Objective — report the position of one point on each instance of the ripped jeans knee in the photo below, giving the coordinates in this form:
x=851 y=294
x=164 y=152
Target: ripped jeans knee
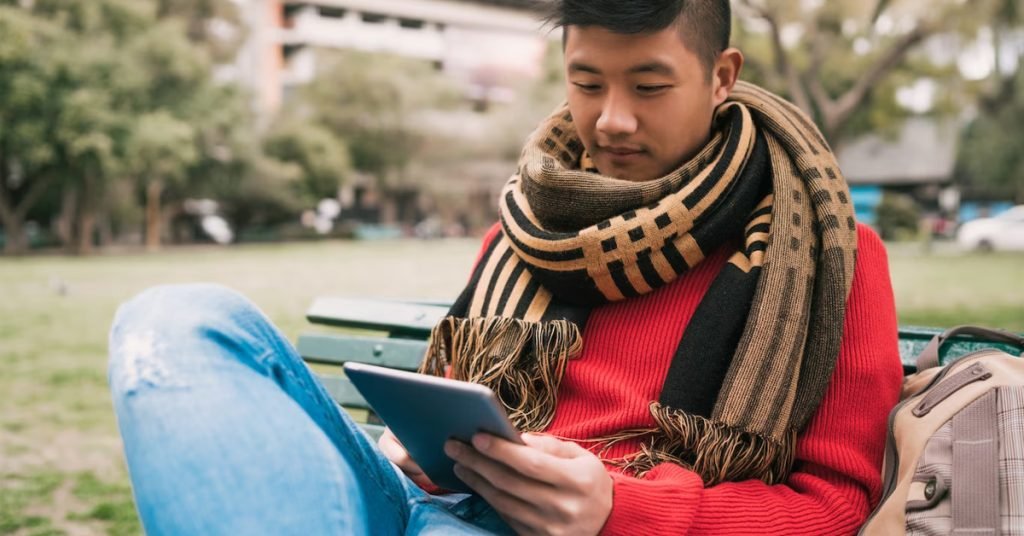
x=167 y=333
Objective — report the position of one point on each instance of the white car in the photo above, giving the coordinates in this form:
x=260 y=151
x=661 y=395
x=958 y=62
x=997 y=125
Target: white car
x=1004 y=232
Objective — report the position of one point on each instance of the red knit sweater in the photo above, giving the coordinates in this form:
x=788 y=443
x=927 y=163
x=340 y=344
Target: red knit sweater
x=627 y=348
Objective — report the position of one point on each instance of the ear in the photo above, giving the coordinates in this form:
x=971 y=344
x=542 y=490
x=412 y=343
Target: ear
x=725 y=73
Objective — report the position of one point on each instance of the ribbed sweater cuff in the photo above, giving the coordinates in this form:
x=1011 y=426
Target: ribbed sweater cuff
x=664 y=502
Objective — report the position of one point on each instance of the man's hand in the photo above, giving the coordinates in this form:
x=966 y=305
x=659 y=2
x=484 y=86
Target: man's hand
x=547 y=486
x=395 y=452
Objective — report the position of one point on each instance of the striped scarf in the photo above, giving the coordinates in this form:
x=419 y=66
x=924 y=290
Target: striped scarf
x=755 y=359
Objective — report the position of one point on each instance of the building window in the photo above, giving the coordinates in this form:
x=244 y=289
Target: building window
x=328 y=12
x=412 y=24
x=289 y=50
x=288 y=12
x=373 y=18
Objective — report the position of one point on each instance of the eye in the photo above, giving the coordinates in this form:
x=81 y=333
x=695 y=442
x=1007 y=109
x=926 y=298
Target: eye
x=652 y=88
x=589 y=88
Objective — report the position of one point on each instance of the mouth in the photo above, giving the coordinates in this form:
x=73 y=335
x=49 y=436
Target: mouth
x=621 y=150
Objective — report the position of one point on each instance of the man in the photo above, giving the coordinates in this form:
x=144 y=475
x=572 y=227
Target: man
x=694 y=333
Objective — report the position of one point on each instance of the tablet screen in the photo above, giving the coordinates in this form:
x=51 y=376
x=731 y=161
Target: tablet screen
x=425 y=411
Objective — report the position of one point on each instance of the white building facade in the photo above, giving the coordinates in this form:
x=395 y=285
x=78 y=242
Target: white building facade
x=478 y=43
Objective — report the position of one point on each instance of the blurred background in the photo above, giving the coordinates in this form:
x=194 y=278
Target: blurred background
x=292 y=149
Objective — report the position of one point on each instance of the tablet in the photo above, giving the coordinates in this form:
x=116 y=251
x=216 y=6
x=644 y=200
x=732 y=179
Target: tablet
x=425 y=411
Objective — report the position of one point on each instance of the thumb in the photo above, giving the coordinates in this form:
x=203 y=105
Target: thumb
x=552 y=445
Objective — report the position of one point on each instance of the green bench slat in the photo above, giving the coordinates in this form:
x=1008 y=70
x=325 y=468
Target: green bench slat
x=336 y=349
x=342 y=391
x=373 y=430
x=913 y=339
x=397 y=318
x=408 y=324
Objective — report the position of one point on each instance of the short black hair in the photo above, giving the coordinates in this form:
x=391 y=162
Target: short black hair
x=705 y=25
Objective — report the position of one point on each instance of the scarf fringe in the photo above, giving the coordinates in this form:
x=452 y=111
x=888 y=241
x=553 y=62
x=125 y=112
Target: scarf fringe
x=715 y=451
x=522 y=362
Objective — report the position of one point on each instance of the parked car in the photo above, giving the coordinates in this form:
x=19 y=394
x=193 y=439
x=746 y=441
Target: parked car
x=1004 y=232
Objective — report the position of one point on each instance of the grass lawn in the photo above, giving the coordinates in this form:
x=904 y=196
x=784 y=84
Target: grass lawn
x=60 y=464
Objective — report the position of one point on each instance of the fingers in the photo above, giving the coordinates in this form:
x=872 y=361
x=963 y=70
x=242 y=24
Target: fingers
x=527 y=461
x=394 y=451
x=498 y=473
x=553 y=445
x=513 y=510
x=543 y=486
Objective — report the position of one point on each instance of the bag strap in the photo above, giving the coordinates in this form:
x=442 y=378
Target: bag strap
x=929 y=357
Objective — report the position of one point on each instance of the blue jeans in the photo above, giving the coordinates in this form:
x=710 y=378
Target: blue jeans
x=226 y=431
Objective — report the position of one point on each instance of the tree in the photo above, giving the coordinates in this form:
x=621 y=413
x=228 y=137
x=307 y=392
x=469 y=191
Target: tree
x=25 y=144
x=838 y=59
x=216 y=25
x=98 y=93
x=60 y=129
x=254 y=188
x=374 y=104
x=990 y=162
x=323 y=159
x=158 y=152
x=1004 y=85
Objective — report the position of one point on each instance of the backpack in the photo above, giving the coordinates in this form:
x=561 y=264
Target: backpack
x=954 y=456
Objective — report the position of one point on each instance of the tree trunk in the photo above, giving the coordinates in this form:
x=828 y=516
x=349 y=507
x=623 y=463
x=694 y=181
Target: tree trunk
x=86 y=217
x=154 y=189
x=65 y=221
x=10 y=217
x=14 y=237
x=86 y=226
x=13 y=216
x=105 y=231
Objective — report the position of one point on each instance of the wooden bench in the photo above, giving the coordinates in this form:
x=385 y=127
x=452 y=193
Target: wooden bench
x=392 y=333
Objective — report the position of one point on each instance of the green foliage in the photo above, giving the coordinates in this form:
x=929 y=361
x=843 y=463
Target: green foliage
x=255 y=189
x=322 y=157
x=372 y=102
x=991 y=162
x=196 y=15
x=95 y=94
x=27 y=68
x=160 y=146
x=843 y=61
x=898 y=216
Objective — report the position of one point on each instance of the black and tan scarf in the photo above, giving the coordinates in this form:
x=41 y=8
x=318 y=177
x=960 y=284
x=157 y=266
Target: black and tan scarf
x=754 y=361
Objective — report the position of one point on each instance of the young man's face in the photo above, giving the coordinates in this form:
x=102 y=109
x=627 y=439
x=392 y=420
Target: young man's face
x=642 y=103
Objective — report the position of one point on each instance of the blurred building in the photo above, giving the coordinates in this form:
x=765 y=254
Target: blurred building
x=481 y=43
x=918 y=161
x=923 y=153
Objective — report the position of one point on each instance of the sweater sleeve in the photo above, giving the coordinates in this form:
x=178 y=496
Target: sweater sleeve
x=836 y=480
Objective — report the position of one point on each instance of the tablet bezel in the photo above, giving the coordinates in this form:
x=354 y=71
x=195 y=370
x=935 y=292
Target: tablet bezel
x=424 y=411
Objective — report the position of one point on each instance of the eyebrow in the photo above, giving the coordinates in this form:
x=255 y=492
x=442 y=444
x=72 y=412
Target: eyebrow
x=655 y=67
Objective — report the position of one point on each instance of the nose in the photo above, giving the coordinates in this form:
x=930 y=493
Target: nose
x=617 y=116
